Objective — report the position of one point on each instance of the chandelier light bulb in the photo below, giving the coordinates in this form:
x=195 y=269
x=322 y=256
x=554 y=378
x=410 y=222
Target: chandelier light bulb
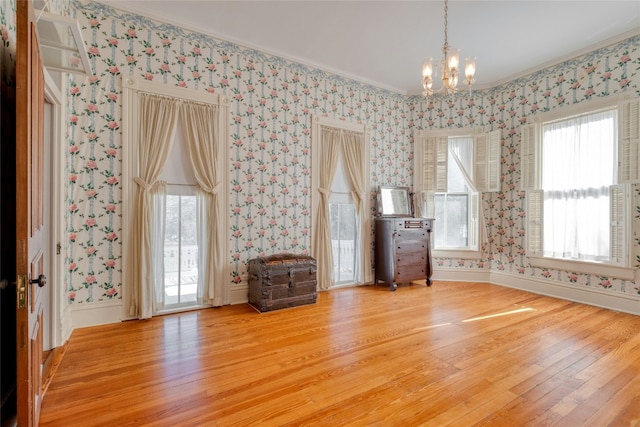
x=454 y=59
x=427 y=67
x=470 y=69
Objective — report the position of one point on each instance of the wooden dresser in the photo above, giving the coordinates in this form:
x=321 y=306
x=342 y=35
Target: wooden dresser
x=402 y=250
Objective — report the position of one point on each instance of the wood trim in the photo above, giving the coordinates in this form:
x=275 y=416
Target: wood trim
x=51 y=364
x=24 y=14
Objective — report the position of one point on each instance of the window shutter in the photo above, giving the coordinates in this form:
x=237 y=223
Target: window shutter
x=618 y=244
x=486 y=148
x=493 y=177
x=431 y=173
x=441 y=157
x=474 y=200
x=535 y=199
x=530 y=157
x=480 y=161
x=629 y=142
x=418 y=163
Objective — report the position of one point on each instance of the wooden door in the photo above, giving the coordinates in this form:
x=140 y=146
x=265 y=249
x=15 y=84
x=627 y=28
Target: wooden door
x=29 y=215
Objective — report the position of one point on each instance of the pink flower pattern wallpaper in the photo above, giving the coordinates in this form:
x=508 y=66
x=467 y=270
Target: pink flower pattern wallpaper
x=272 y=102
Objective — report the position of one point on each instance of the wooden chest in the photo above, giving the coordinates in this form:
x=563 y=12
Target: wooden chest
x=281 y=281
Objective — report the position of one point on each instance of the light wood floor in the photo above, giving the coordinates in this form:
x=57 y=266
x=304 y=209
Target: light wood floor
x=460 y=354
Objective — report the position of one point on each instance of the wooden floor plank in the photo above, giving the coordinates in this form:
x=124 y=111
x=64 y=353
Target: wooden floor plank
x=454 y=353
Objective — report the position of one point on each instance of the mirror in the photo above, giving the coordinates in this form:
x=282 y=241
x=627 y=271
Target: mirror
x=394 y=202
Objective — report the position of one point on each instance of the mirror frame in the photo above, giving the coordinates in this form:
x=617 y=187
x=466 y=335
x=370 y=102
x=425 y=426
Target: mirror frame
x=385 y=211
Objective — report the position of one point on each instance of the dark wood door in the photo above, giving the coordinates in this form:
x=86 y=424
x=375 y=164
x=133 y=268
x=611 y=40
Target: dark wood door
x=29 y=215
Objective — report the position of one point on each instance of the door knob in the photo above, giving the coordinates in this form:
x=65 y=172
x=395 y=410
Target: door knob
x=41 y=280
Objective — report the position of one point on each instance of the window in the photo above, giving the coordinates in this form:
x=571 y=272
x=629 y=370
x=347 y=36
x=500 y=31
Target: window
x=150 y=178
x=453 y=215
x=343 y=228
x=574 y=169
x=451 y=170
x=180 y=247
x=177 y=218
x=578 y=166
x=341 y=241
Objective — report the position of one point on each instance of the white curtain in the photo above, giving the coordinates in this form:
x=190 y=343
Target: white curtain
x=330 y=146
x=353 y=151
x=461 y=150
x=200 y=136
x=578 y=168
x=158 y=117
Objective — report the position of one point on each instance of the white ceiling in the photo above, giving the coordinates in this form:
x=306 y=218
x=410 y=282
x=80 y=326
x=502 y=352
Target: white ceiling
x=384 y=42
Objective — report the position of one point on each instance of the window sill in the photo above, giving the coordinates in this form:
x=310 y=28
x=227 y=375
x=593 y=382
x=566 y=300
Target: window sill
x=598 y=269
x=456 y=253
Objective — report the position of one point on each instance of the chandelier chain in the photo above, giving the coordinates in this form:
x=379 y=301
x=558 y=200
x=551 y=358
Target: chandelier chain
x=446 y=24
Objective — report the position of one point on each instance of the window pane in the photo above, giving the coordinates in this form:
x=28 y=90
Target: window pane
x=171 y=237
x=463 y=149
x=180 y=250
x=343 y=240
x=189 y=251
x=452 y=220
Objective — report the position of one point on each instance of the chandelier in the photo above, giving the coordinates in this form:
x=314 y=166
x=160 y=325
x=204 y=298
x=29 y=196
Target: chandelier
x=450 y=66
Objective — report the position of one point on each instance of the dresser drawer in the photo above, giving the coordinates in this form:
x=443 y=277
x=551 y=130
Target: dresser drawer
x=406 y=273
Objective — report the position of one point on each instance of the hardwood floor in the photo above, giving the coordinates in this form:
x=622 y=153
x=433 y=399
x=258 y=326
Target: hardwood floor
x=459 y=354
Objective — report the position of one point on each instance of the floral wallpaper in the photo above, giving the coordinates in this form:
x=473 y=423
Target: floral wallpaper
x=270 y=125
x=604 y=72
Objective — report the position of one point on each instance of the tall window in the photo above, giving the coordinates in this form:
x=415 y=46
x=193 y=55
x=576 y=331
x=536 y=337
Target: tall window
x=576 y=172
x=578 y=168
x=344 y=236
x=177 y=219
x=341 y=219
x=451 y=170
x=453 y=210
x=155 y=117
x=180 y=247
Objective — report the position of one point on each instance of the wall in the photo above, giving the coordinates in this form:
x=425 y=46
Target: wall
x=269 y=169
x=605 y=72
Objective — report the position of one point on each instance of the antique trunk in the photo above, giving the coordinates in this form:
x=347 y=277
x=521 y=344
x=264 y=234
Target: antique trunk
x=281 y=281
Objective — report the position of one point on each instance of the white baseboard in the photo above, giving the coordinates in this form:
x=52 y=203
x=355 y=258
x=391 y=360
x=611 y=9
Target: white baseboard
x=461 y=275
x=66 y=325
x=625 y=303
x=239 y=293
x=93 y=314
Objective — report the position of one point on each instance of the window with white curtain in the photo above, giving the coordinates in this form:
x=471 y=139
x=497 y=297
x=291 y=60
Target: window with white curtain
x=453 y=211
x=576 y=170
x=451 y=170
x=341 y=218
x=174 y=198
x=176 y=218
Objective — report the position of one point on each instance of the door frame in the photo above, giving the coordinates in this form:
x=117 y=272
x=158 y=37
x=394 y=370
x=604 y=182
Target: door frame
x=60 y=313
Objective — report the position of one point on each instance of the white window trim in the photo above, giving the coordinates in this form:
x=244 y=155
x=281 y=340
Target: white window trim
x=131 y=115
x=530 y=155
x=597 y=269
x=455 y=253
x=317 y=123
